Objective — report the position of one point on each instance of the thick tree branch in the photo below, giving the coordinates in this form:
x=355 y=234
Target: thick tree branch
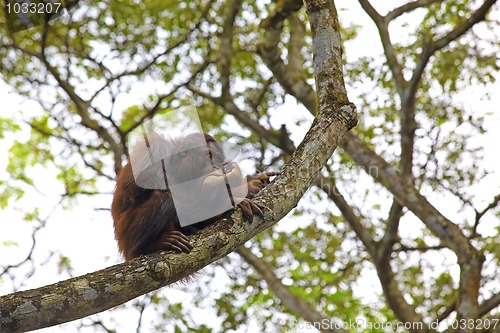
x=327 y=59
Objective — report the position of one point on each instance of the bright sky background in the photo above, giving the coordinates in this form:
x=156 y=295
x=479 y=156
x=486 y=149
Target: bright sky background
x=85 y=234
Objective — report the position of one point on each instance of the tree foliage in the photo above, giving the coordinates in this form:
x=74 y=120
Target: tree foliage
x=406 y=210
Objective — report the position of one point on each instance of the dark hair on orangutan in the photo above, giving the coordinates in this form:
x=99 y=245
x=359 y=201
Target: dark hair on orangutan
x=146 y=220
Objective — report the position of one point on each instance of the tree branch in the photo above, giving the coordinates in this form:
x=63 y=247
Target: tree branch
x=329 y=187
x=292 y=81
x=292 y=302
x=408 y=7
x=380 y=254
x=489 y=305
x=383 y=27
x=469 y=259
x=478 y=16
x=408 y=196
x=226 y=47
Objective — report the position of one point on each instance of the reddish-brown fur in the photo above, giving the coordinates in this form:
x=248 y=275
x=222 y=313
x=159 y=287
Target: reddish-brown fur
x=145 y=220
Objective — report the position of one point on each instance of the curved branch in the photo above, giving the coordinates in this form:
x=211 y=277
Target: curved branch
x=408 y=7
x=380 y=254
